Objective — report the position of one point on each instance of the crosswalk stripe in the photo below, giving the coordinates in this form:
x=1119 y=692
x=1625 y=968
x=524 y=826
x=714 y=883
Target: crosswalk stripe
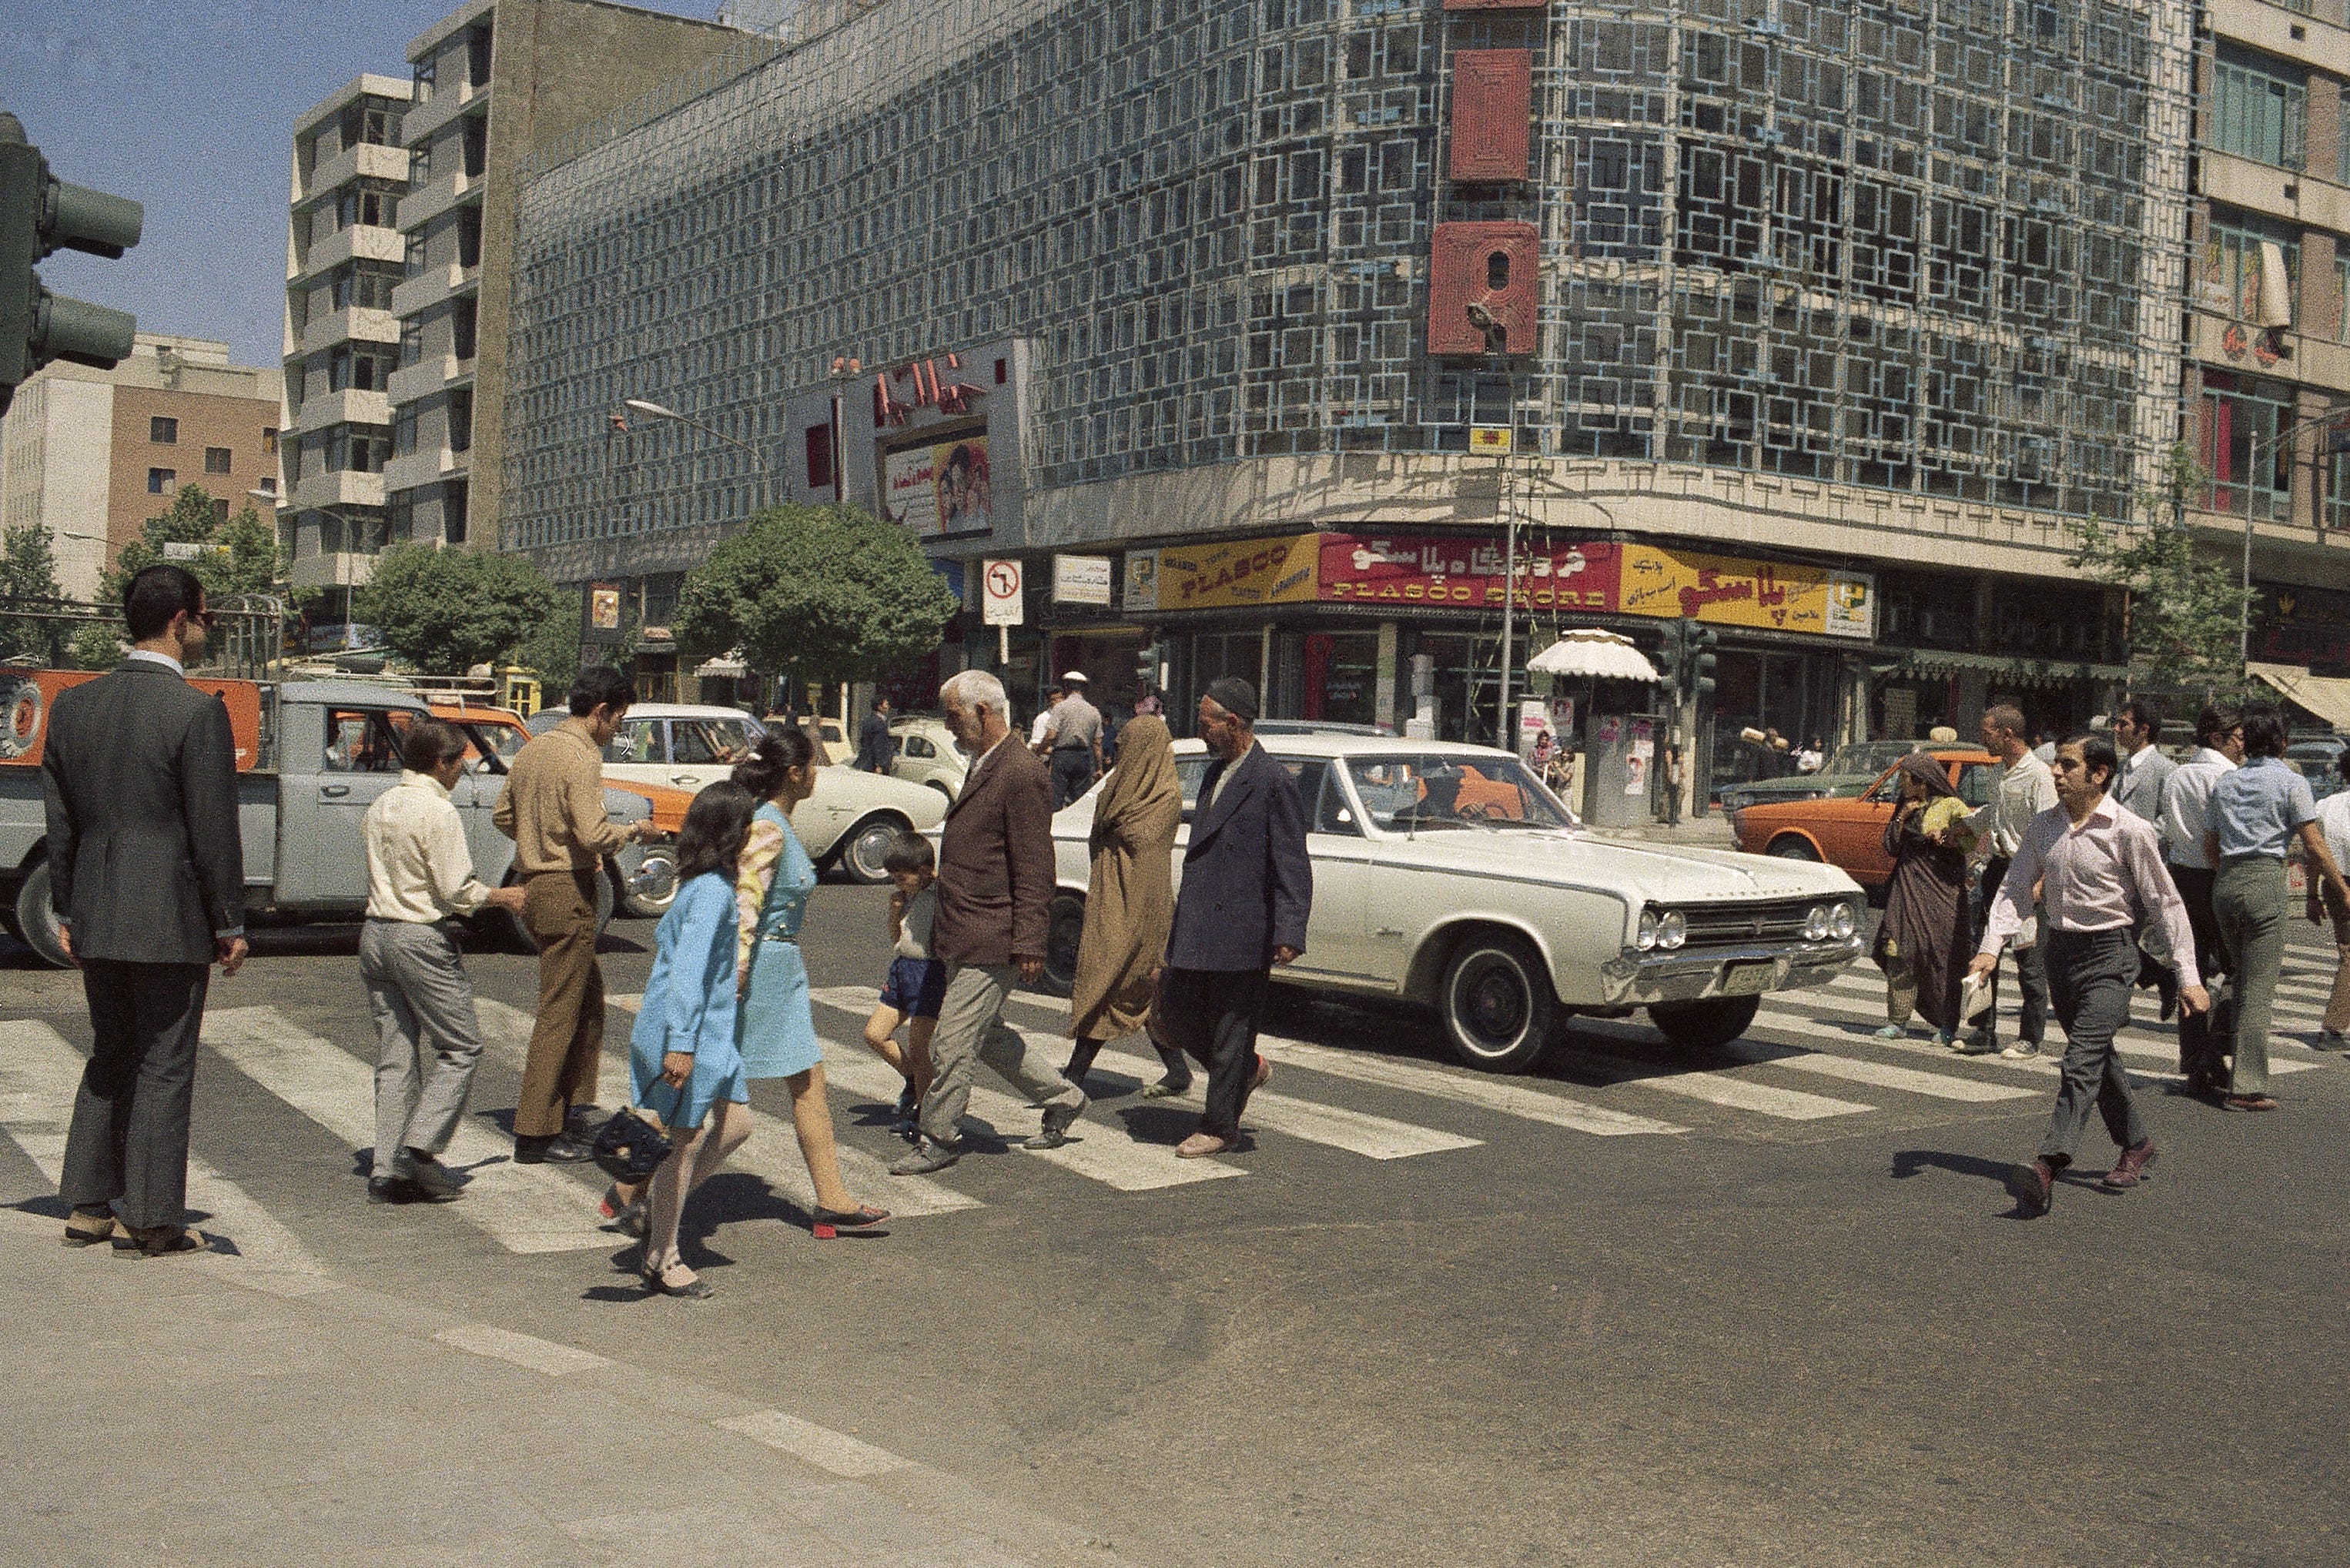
x=2048 y=1061
x=39 y=1074
x=2127 y=1044
x=1732 y=1094
x=524 y=1208
x=2299 y=1007
x=1357 y=1132
x=772 y=1152
x=1487 y=1094
x=1883 y=1075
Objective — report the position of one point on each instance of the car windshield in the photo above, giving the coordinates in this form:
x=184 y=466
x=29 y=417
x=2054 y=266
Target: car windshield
x=1412 y=793
x=1870 y=757
x=700 y=741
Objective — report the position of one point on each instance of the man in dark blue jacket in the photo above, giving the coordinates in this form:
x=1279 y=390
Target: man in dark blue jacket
x=1247 y=889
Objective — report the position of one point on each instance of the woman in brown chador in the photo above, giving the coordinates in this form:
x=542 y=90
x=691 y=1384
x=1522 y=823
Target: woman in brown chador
x=1926 y=936
x=1131 y=902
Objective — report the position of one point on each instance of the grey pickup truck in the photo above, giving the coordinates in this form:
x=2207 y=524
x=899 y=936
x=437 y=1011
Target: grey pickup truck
x=312 y=757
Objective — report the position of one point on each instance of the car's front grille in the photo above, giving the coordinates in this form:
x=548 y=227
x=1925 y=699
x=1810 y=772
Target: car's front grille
x=1725 y=925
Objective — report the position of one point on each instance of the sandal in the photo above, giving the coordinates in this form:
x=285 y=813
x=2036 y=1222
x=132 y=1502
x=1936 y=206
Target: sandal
x=97 y=1226
x=693 y=1290
x=161 y=1242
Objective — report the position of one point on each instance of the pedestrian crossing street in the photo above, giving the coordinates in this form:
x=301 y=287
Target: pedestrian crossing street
x=1810 y=1060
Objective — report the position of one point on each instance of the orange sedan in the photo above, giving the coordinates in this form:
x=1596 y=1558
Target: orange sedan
x=1850 y=833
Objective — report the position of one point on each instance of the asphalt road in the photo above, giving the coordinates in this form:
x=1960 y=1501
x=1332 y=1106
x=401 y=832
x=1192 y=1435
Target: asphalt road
x=1765 y=1306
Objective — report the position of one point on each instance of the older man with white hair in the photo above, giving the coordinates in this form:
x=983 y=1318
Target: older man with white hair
x=996 y=889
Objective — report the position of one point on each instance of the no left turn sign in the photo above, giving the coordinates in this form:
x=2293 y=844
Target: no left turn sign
x=1001 y=588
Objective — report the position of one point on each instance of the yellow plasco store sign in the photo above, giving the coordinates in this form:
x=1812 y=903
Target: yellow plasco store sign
x=1235 y=575
x=1726 y=591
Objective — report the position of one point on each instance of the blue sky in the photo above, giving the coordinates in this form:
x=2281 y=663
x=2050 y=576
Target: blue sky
x=188 y=107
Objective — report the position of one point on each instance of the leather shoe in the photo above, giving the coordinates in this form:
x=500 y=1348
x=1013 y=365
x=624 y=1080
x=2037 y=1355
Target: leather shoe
x=581 y=1121
x=393 y=1190
x=1201 y=1145
x=2251 y=1102
x=1057 y=1120
x=2034 y=1186
x=560 y=1149
x=2130 y=1169
x=436 y=1179
x=925 y=1158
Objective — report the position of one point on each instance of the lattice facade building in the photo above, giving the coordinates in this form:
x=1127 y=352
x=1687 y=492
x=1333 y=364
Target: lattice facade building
x=1841 y=289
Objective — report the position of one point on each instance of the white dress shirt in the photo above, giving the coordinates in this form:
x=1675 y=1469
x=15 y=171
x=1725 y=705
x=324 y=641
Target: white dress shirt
x=2187 y=807
x=418 y=868
x=2105 y=875
x=2023 y=789
x=166 y=660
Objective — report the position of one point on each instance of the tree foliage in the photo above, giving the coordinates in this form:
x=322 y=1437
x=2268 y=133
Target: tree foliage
x=2187 y=607
x=831 y=594
x=240 y=554
x=444 y=611
x=28 y=570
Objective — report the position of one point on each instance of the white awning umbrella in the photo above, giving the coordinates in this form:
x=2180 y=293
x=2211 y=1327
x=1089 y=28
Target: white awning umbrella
x=1587 y=650
x=725 y=664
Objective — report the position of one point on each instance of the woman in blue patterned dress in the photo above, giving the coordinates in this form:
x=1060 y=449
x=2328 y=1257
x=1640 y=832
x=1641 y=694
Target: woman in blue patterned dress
x=778 y=1032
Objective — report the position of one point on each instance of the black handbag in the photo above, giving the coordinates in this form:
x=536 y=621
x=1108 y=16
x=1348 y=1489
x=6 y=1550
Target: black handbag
x=629 y=1147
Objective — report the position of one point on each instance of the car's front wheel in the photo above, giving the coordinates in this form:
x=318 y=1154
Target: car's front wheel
x=1704 y=1025
x=646 y=906
x=1791 y=847
x=36 y=921
x=864 y=855
x=1065 y=925
x=1496 y=1002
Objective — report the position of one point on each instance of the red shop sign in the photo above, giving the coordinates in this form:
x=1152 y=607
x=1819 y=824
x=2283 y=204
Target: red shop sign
x=1443 y=570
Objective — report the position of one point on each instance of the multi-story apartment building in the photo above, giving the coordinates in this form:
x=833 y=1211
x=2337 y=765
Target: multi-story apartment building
x=489 y=83
x=1818 y=324
x=90 y=455
x=2268 y=373
x=342 y=339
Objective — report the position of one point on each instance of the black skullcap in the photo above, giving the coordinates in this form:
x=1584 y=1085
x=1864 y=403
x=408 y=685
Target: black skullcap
x=1235 y=697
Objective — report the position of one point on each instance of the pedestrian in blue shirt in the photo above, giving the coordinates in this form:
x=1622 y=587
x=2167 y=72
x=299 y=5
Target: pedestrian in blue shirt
x=2256 y=813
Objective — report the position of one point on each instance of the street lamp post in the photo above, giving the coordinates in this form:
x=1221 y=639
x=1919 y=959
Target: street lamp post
x=658 y=411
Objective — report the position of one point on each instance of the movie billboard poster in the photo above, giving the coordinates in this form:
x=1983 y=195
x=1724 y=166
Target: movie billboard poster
x=940 y=488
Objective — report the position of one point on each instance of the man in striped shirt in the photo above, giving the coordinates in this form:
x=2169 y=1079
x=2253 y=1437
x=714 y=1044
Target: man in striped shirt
x=2100 y=871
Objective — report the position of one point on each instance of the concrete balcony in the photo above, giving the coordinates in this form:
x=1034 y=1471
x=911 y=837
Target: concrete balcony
x=2300 y=198
x=353 y=407
x=428 y=201
x=344 y=569
x=2277 y=30
x=357 y=325
x=445 y=105
x=419 y=468
x=421 y=379
x=341 y=490
x=363 y=242
x=420 y=294
x=366 y=159
x=2311 y=361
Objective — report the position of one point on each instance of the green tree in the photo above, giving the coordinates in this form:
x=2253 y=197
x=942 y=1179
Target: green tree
x=444 y=611
x=2187 y=607
x=826 y=592
x=29 y=571
x=97 y=644
x=240 y=556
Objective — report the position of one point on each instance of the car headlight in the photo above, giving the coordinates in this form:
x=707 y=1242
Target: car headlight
x=1672 y=930
x=1646 y=938
x=1815 y=923
x=1843 y=923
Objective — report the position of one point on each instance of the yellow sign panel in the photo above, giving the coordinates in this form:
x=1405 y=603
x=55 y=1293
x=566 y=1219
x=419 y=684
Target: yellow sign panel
x=1489 y=441
x=1729 y=592
x=1244 y=572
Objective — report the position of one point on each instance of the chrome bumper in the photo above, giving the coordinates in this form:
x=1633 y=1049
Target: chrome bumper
x=1635 y=979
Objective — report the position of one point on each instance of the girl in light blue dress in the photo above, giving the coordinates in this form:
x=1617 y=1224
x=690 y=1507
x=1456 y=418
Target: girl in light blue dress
x=776 y=1028
x=684 y=1059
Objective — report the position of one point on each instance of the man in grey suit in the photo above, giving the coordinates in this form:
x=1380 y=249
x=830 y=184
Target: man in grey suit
x=139 y=769
x=1248 y=888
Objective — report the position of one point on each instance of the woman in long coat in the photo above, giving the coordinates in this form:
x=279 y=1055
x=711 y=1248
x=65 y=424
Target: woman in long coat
x=1129 y=903
x=1926 y=936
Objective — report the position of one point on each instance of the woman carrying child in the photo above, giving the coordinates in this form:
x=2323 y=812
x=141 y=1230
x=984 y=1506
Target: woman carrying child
x=774 y=879
x=1129 y=903
x=683 y=1054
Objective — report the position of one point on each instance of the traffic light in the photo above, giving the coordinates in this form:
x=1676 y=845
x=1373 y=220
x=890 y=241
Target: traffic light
x=1149 y=664
x=1701 y=641
x=40 y=213
x=1672 y=659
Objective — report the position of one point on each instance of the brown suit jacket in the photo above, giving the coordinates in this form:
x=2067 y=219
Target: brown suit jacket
x=996 y=861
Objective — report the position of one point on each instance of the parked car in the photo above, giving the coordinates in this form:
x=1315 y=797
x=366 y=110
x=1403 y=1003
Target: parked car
x=848 y=822
x=1318 y=727
x=1447 y=875
x=1849 y=833
x=928 y=756
x=500 y=732
x=1850 y=770
x=312 y=757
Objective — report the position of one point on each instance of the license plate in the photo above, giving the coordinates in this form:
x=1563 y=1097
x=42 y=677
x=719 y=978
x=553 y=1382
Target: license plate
x=1746 y=980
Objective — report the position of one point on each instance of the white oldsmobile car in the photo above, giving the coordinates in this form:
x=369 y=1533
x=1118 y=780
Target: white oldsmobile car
x=848 y=821
x=1447 y=875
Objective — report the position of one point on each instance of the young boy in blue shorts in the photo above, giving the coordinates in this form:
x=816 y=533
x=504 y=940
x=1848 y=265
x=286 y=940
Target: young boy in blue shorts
x=917 y=983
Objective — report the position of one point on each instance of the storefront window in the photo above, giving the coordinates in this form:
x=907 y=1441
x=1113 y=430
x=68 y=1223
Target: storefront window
x=1791 y=693
x=1340 y=679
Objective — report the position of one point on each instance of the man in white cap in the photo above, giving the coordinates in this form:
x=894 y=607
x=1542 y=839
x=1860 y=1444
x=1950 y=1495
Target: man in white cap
x=1073 y=741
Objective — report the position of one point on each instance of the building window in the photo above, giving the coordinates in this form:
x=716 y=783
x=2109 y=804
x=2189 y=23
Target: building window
x=268 y=442
x=2231 y=263
x=411 y=341
x=216 y=460
x=423 y=78
x=2258 y=107
x=403 y=430
x=464 y=320
x=364 y=372
x=477 y=146
x=453 y=497
x=266 y=484
x=367 y=284
x=412 y=259
x=373 y=204
x=477 y=55
x=2342 y=296
x=219 y=510
x=2238 y=414
x=374 y=123
x=461 y=420
x=2336 y=468
x=819 y=457
x=468 y=237
x=164 y=430
x=161 y=481
x=398 y=519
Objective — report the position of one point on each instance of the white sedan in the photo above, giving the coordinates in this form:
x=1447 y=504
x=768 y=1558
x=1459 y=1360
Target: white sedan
x=850 y=821
x=1447 y=875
